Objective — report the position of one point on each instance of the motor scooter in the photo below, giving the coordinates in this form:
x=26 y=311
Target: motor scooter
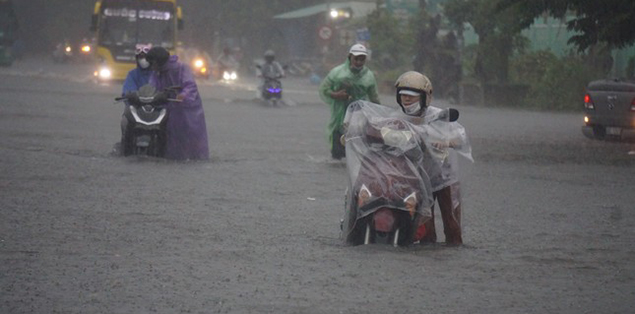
x=148 y=115
x=389 y=163
x=86 y=53
x=271 y=90
x=63 y=52
x=200 y=67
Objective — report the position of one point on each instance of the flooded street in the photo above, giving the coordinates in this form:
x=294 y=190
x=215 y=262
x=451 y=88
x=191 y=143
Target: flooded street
x=548 y=215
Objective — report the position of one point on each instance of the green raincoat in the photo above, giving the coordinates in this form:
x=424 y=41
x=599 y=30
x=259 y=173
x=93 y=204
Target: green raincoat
x=360 y=85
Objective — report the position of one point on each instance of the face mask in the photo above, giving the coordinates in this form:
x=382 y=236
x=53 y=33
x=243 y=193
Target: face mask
x=143 y=63
x=412 y=109
x=355 y=69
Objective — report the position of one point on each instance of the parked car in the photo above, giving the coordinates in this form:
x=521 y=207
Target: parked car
x=609 y=109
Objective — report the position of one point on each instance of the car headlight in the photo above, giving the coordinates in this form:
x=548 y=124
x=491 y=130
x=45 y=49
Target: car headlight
x=233 y=76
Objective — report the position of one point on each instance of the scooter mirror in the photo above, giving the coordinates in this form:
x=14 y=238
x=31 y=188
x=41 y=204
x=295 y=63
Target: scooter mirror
x=454 y=114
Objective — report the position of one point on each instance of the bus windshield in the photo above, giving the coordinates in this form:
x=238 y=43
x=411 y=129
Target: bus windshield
x=125 y=23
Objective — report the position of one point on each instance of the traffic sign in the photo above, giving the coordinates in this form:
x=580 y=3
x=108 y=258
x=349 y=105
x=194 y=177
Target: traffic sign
x=325 y=32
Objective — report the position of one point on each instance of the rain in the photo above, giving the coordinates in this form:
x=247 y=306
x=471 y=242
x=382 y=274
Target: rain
x=260 y=225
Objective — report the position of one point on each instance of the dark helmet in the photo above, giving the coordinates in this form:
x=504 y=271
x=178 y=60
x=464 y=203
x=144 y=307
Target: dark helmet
x=158 y=56
x=270 y=55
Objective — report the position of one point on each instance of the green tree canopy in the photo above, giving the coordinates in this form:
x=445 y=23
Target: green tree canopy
x=498 y=32
x=608 y=21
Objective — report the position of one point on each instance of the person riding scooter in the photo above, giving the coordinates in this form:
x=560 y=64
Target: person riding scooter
x=398 y=163
x=270 y=72
x=271 y=68
x=227 y=65
x=63 y=52
x=136 y=78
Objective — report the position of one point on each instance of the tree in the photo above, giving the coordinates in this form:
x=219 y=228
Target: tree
x=436 y=56
x=391 y=39
x=498 y=30
x=611 y=22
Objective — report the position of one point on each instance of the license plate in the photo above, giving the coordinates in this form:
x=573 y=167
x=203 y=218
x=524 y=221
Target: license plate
x=613 y=131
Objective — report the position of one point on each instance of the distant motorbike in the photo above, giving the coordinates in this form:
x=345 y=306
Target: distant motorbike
x=227 y=69
x=271 y=90
x=148 y=114
x=389 y=165
x=229 y=75
x=86 y=52
x=63 y=52
x=200 y=67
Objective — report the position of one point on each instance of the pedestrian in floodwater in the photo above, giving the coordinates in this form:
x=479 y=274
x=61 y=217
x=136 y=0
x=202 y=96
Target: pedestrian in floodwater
x=346 y=83
x=186 y=129
x=414 y=95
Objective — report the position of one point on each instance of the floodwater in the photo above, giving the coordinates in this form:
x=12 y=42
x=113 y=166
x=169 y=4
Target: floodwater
x=548 y=220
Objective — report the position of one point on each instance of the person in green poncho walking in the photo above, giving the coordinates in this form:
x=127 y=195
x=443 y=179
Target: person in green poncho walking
x=346 y=83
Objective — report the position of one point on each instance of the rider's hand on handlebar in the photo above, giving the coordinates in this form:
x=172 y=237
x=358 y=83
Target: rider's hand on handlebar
x=180 y=97
x=161 y=97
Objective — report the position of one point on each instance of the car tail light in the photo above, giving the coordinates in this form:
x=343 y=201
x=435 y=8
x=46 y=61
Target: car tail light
x=633 y=105
x=588 y=102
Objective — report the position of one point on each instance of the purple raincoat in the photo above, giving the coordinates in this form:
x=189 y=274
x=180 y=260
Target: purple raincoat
x=186 y=129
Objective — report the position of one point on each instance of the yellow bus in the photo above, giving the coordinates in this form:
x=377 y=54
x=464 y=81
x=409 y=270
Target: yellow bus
x=121 y=24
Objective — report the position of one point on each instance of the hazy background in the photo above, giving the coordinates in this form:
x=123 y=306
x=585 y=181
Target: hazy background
x=44 y=23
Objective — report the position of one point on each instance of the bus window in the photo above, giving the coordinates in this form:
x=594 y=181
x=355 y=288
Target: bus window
x=156 y=32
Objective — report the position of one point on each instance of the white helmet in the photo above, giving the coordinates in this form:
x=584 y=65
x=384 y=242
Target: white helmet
x=413 y=82
x=358 y=50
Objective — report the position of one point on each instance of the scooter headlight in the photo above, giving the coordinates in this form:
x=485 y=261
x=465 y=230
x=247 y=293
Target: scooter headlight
x=363 y=196
x=198 y=63
x=68 y=49
x=411 y=203
x=86 y=48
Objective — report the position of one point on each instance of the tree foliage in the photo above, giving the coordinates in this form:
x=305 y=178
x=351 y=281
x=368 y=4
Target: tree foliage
x=499 y=34
x=611 y=22
x=391 y=38
x=555 y=83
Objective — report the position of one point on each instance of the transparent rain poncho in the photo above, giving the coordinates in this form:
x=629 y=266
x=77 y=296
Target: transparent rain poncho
x=392 y=156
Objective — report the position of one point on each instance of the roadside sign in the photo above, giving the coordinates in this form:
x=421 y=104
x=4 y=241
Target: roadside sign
x=325 y=32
